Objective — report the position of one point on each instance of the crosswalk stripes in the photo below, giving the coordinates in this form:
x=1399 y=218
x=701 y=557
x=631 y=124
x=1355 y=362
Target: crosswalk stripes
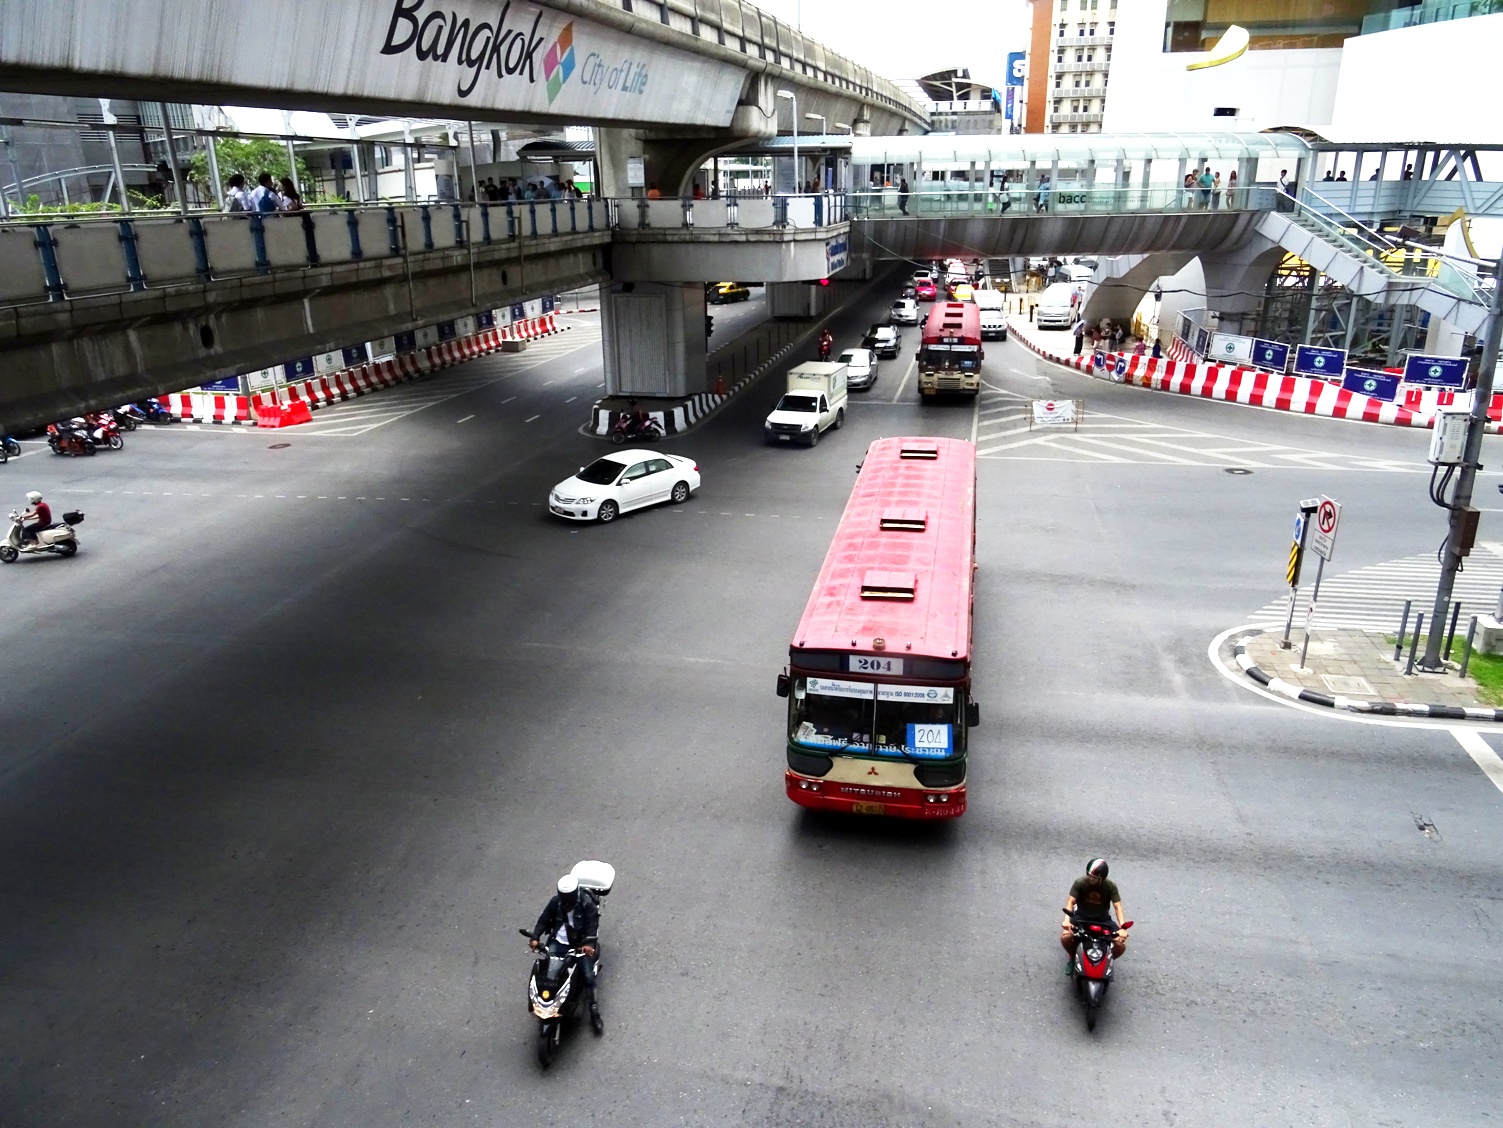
x=1003 y=432
x=359 y=416
x=1372 y=598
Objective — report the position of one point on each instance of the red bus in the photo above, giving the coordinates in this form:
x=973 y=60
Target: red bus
x=950 y=355
x=879 y=672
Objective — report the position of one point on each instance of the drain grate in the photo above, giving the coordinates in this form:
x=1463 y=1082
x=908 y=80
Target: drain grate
x=1348 y=686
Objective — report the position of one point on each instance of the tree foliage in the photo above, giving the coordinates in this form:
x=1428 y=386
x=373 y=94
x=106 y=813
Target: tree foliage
x=251 y=159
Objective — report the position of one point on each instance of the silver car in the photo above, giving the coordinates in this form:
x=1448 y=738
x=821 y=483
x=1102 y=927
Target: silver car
x=861 y=368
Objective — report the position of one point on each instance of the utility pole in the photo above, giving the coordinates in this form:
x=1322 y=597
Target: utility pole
x=1461 y=503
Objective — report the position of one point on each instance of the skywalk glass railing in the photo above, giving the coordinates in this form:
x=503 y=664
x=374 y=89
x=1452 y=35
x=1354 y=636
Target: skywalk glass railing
x=1016 y=202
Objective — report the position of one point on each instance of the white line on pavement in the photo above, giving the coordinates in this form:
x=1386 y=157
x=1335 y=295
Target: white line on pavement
x=1482 y=752
x=904 y=382
x=508 y=399
x=530 y=420
x=466 y=419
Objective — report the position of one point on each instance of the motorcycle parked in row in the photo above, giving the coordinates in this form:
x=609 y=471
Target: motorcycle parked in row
x=630 y=428
x=69 y=439
x=1091 y=966
x=59 y=539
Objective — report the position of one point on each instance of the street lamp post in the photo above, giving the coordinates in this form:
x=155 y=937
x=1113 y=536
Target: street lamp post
x=824 y=127
x=1461 y=501
x=794 y=99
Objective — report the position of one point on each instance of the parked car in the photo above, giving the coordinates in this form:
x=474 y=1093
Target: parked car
x=723 y=292
x=862 y=367
x=884 y=340
x=905 y=312
x=621 y=481
x=924 y=290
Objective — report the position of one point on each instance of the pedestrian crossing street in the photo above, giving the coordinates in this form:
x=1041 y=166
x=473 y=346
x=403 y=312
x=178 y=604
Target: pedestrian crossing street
x=1002 y=432
x=1372 y=598
x=376 y=409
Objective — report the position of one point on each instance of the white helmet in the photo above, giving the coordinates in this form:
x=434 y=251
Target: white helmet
x=33 y=497
x=568 y=885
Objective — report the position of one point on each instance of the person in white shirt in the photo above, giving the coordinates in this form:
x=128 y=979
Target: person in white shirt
x=236 y=198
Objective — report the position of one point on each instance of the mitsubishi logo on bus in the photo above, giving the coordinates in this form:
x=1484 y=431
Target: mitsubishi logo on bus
x=871 y=770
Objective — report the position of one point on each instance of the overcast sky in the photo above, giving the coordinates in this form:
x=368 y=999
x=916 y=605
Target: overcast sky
x=909 y=38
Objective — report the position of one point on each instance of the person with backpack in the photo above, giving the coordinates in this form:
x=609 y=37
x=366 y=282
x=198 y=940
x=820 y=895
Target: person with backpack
x=264 y=196
x=236 y=198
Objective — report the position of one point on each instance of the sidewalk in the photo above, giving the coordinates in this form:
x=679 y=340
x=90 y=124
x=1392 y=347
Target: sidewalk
x=1355 y=671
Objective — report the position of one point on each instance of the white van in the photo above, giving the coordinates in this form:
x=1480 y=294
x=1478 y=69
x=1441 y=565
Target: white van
x=813 y=403
x=1056 y=307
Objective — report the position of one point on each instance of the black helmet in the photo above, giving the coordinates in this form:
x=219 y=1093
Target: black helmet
x=1097 y=867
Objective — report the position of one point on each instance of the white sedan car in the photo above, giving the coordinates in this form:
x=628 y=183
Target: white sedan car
x=861 y=366
x=621 y=481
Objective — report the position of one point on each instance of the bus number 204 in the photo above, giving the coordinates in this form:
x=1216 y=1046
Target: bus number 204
x=867 y=664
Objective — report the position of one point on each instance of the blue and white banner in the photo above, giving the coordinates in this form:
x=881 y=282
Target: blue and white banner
x=1435 y=371
x=447 y=331
x=1270 y=354
x=354 y=354
x=1325 y=363
x=405 y=341
x=1366 y=382
x=299 y=369
x=485 y=319
x=1017 y=68
x=227 y=384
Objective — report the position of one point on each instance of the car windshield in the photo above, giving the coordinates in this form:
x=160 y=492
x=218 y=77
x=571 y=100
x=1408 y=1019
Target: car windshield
x=601 y=472
x=912 y=721
x=851 y=358
x=792 y=402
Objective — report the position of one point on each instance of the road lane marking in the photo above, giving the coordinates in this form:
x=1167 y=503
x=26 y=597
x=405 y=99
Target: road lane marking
x=507 y=400
x=1481 y=752
x=571 y=399
x=904 y=382
x=466 y=419
x=530 y=420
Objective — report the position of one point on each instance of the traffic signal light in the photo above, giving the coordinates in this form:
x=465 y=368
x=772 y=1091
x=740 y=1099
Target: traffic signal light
x=709 y=325
x=824 y=281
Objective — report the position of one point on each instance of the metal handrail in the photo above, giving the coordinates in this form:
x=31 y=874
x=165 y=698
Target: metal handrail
x=1377 y=236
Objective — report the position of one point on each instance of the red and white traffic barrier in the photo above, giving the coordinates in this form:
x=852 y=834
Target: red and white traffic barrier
x=206 y=407
x=1257 y=388
x=349 y=383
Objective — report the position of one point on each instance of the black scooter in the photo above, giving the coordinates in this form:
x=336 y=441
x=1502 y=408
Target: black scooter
x=555 y=993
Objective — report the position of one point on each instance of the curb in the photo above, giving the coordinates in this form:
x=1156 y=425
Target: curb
x=1372 y=708
x=1252 y=387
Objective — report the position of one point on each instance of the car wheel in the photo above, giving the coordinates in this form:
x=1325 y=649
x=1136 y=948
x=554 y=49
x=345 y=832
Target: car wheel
x=814 y=436
x=840 y=419
x=608 y=512
x=680 y=493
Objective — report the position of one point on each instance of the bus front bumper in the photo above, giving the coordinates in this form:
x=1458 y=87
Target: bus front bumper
x=855 y=799
x=949 y=385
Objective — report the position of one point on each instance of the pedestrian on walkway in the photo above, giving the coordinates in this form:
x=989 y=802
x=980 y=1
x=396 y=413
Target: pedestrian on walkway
x=263 y=196
x=1216 y=193
x=236 y=198
x=1231 y=190
x=292 y=200
x=1189 y=191
x=1205 y=182
x=1079 y=331
x=903 y=195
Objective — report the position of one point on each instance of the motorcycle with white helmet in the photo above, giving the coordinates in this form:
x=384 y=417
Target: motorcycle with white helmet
x=566 y=940
x=34 y=533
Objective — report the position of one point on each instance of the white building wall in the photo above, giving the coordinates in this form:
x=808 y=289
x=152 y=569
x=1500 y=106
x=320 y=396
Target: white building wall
x=1431 y=81
x=1151 y=90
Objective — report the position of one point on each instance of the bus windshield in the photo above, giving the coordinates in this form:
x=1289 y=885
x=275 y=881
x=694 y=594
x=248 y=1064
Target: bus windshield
x=913 y=721
x=967 y=358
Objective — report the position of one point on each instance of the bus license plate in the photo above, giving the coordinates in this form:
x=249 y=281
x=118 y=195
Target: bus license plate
x=868 y=808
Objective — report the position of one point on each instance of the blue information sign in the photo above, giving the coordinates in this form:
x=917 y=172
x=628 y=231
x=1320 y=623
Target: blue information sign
x=299 y=369
x=227 y=384
x=354 y=354
x=1363 y=381
x=1312 y=361
x=1017 y=68
x=485 y=319
x=1270 y=354
x=1436 y=371
x=549 y=303
x=1120 y=368
x=1098 y=359
x=405 y=341
x=518 y=312
x=447 y=331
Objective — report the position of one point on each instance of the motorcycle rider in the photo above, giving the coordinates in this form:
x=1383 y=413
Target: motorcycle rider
x=572 y=920
x=38 y=516
x=826 y=343
x=1092 y=898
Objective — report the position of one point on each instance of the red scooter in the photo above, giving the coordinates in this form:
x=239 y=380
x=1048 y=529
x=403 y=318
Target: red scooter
x=105 y=431
x=1091 y=966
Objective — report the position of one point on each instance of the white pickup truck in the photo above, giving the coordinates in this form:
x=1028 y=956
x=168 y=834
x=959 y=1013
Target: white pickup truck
x=813 y=403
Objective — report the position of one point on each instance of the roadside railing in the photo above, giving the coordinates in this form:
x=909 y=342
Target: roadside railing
x=86 y=256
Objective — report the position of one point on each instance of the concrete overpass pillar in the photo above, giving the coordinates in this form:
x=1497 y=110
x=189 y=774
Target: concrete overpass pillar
x=613 y=148
x=1236 y=281
x=653 y=338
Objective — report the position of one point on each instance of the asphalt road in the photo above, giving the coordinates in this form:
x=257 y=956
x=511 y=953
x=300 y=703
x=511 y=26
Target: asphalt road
x=306 y=731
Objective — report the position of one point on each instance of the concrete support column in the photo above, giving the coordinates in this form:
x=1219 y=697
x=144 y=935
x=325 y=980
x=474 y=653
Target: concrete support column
x=653 y=339
x=613 y=147
x=1236 y=281
x=796 y=299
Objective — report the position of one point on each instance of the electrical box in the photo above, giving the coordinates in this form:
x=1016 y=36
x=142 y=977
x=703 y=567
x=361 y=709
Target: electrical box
x=1448 y=440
